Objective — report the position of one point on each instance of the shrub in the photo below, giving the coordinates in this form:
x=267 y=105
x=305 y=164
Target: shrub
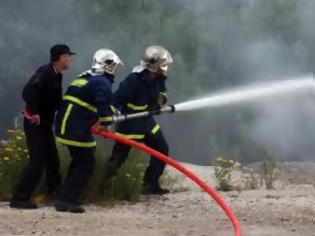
x=251 y=181
x=223 y=172
x=13 y=157
x=268 y=171
x=126 y=185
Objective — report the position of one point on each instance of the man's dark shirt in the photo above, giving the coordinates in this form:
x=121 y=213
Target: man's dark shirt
x=43 y=94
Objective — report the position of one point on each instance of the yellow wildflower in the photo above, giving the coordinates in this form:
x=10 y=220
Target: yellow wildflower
x=6 y=158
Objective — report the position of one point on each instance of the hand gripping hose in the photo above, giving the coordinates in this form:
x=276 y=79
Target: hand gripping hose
x=230 y=214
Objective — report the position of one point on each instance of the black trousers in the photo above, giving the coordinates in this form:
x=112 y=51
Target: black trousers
x=79 y=172
x=156 y=167
x=43 y=156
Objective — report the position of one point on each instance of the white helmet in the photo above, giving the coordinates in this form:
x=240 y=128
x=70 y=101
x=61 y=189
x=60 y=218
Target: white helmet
x=157 y=57
x=105 y=60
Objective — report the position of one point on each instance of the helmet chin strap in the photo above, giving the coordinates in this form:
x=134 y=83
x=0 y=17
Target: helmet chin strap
x=111 y=69
x=97 y=72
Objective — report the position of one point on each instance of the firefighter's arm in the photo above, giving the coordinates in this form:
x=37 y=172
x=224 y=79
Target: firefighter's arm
x=125 y=93
x=103 y=98
x=162 y=98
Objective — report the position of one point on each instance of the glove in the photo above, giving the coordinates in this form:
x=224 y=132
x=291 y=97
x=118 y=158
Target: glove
x=34 y=119
x=162 y=99
x=100 y=127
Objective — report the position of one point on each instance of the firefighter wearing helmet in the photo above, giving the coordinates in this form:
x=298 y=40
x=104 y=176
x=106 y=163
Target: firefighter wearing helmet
x=86 y=102
x=143 y=90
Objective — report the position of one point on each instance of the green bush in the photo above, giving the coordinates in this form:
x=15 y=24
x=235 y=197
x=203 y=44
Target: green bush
x=268 y=170
x=126 y=185
x=13 y=157
x=223 y=173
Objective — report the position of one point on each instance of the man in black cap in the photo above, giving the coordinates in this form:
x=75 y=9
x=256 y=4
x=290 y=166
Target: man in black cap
x=42 y=95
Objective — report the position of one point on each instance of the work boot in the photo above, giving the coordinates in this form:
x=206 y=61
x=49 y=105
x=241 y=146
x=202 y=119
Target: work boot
x=68 y=207
x=155 y=190
x=23 y=205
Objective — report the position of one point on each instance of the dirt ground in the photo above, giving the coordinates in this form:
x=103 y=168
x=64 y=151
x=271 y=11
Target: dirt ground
x=288 y=210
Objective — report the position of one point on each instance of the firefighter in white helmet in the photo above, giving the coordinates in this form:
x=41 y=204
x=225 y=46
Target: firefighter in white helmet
x=86 y=102
x=144 y=89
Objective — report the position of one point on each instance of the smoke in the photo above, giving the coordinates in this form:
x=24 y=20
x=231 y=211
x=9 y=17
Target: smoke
x=286 y=128
x=215 y=45
x=282 y=128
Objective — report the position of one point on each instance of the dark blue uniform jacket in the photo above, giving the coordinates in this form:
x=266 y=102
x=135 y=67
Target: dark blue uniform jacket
x=139 y=92
x=87 y=100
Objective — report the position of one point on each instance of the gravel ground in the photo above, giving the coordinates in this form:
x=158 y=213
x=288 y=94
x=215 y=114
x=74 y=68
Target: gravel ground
x=287 y=210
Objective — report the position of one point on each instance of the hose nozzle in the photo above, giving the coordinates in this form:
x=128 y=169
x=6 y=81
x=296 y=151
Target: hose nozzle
x=164 y=109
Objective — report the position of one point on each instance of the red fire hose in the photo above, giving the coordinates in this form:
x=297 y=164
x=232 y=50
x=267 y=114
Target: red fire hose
x=230 y=214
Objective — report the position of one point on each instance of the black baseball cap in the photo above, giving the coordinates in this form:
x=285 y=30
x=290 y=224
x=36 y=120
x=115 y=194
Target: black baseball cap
x=59 y=49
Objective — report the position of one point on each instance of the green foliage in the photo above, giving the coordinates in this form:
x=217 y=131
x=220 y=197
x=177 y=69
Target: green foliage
x=268 y=171
x=13 y=157
x=223 y=173
x=252 y=181
x=126 y=185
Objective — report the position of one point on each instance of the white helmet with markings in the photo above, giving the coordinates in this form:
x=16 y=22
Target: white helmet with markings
x=105 y=60
x=157 y=58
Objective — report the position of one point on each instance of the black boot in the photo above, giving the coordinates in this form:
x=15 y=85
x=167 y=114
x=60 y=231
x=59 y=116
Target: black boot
x=23 y=205
x=154 y=188
x=152 y=185
x=68 y=207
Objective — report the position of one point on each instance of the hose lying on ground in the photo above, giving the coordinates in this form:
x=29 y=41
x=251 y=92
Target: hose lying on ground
x=227 y=210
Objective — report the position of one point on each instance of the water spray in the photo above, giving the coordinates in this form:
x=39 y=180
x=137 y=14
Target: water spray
x=240 y=95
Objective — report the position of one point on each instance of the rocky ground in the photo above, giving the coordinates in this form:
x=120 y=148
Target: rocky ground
x=287 y=210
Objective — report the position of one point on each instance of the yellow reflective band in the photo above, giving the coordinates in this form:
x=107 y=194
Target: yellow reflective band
x=106 y=119
x=113 y=109
x=79 y=82
x=136 y=108
x=80 y=102
x=155 y=129
x=131 y=136
x=65 y=118
x=75 y=143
